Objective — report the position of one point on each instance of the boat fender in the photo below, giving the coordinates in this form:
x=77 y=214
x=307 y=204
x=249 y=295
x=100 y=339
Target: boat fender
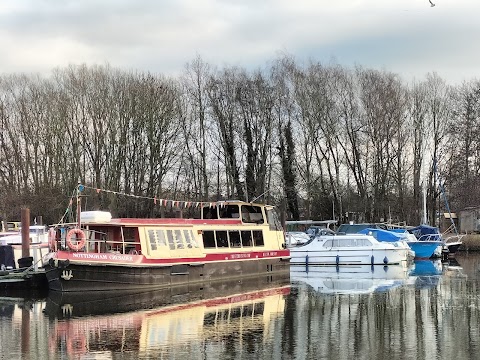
x=51 y=239
x=385 y=260
x=306 y=260
x=372 y=260
x=337 y=259
x=80 y=236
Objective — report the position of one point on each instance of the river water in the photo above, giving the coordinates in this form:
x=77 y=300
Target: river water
x=428 y=310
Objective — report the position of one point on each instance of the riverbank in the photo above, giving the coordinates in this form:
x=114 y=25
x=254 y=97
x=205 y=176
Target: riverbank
x=471 y=242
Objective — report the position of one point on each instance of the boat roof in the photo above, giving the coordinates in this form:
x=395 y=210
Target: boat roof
x=173 y=221
x=161 y=221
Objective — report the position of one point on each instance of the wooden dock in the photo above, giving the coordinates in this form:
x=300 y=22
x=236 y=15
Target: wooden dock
x=23 y=279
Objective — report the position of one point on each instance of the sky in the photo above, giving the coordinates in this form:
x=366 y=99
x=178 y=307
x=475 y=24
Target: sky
x=407 y=37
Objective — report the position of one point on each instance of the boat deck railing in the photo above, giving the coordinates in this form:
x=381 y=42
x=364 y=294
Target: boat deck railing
x=430 y=237
x=453 y=238
x=451 y=235
x=100 y=242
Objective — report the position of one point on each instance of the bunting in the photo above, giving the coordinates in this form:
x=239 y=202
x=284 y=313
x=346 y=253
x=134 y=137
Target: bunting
x=182 y=204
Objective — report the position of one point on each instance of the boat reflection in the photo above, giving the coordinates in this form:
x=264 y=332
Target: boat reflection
x=359 y=279
x=161 y=320
x=426 y=273
x=427 y=268
x=453 y=269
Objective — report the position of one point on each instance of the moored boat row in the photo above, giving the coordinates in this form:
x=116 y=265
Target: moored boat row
x=230 y=239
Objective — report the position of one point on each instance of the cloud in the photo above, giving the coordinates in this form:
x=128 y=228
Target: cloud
x=161 y=36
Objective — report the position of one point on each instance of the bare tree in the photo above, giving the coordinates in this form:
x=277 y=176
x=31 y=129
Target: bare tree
x=196 y=125
x=438 y=122
x=222 y=89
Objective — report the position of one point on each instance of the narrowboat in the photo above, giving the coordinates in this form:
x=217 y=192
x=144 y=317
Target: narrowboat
x=229 y=240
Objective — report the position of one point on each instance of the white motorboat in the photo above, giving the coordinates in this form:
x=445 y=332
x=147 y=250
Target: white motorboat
x=296 y=238
x=351 y=249
x=38 y=246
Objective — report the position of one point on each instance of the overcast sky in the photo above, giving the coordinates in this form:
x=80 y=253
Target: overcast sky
x=408 y=37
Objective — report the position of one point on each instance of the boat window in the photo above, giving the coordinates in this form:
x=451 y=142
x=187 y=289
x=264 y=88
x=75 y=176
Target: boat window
x=235 y=313
x=234 y=236
x=247 y=238
x=344 y=242
x=209 y=319
x=328 y=243
x=258 y=238
x=129 y=234
x=189 y=239
x=259 y=308
x=222 y=240
x=364 y=242
x=152 y=240
x=247 y=310
x=252 y=214
x=273 y=220
x=171 y=240
x=208 y=239
x=161 y=241
x=222 y=316
x=194 y=240
x=209 y=212
x=229 y=212
x=179 y=239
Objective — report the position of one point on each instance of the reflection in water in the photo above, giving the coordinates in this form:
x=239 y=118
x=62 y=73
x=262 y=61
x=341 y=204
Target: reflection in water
x=434 y=314
x=426 y=273
x=350 y=279
x=430 y=310
x=171 y=321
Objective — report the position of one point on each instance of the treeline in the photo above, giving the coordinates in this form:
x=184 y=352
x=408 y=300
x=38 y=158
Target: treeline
x=317 y=140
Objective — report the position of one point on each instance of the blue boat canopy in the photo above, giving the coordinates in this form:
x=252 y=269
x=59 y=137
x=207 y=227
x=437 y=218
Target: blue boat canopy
x=382 y=235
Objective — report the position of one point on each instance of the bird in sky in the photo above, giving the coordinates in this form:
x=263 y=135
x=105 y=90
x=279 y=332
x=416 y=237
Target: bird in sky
x=431 y=3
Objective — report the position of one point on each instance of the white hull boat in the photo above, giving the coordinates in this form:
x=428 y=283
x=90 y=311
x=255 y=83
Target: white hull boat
x=351 y=249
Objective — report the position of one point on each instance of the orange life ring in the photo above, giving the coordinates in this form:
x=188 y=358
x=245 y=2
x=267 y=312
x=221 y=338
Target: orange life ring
x=80 y=236
x=51 y=239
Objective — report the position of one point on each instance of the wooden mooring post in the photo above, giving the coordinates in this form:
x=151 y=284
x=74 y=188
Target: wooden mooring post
x=25 y=232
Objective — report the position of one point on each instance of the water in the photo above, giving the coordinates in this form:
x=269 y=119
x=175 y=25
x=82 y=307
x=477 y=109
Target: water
x=430 y=310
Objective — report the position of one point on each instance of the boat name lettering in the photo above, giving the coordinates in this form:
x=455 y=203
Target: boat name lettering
x=270 y=253
x=121 y=258
x=239 y=256
x=90 y=256
x=112 y=257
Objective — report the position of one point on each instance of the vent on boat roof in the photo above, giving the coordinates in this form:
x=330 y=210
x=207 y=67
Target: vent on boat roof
x=95 y=216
